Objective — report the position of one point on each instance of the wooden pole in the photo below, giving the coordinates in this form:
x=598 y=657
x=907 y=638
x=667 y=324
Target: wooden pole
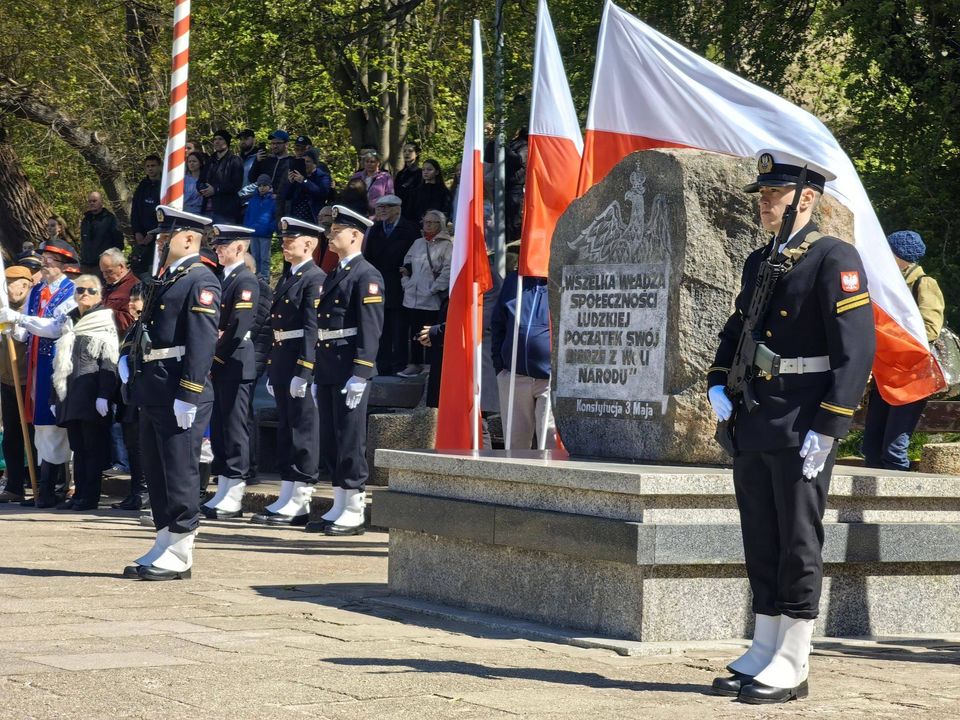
x=24 y=427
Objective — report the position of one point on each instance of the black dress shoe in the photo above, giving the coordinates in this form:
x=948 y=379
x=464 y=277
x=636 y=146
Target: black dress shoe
x=756 y=693
x=131 y=502
x=44 y=503
x=155 y=573
x=28 y=503
x=287 y=520
x=260 y=518
x=65 y=505
x=216 y=514
x=132 y=572
x=84 y=506
x=730 y=686
x=317 y=526
x=335 y=530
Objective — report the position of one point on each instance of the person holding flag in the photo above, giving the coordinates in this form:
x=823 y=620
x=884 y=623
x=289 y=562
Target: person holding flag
x=818 y=319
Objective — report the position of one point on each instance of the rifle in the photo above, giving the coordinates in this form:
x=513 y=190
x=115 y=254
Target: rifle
x=138 y=337
x=753 y=358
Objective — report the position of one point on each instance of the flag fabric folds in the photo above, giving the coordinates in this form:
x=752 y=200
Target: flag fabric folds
x=458 y=417
x=651 y=92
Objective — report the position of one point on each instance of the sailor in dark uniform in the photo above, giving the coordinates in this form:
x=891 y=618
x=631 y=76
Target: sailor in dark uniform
x=166 y=365
x=232 y=372
x=350 y=322
x=820 y=322
x=293 y=318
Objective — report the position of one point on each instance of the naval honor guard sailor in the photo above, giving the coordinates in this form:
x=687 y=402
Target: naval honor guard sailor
x=166 y=363
x=350 y=322
x=233 y=372
x=293 y=318
x=820 y=322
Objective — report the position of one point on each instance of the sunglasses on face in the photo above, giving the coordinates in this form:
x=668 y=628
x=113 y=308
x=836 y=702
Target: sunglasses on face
x=85 y=291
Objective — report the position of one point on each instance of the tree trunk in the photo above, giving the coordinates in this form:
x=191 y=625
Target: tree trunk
x=23 y=214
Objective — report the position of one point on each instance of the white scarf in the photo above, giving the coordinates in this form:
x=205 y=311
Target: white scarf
x=104 y=344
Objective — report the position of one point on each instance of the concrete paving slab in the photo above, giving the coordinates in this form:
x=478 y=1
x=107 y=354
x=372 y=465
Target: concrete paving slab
x=104 y=661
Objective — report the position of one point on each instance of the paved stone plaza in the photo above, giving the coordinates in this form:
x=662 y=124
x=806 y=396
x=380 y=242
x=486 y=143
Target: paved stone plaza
x=280 y=624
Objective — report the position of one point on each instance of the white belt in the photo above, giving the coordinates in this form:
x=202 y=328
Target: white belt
x=247 y=336
x=165 y=353
x=801 y=365
x=280 y=335
x=336 y=334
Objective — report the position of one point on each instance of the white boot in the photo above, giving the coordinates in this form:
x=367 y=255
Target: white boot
x=760 y=652
x=299 y=502
x=339 y=502
x=233 y=498
x=223 y=484
x=286 y=490
x=351 y=519
x=178 y=556
x=790 y=664
x=159 y=545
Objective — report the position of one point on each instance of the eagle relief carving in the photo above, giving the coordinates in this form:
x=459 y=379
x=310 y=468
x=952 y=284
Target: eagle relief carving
x=608 y=239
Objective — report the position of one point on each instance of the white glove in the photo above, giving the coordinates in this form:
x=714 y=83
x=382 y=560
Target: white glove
x=270 y=389
x=123 y=369
x=313 y=392
x=103 y=406
x=186 y=413
x=298 y=387
x=354 y=391
x=814 y=451
x=9 y=315
x=722 y=407
x=53 y=410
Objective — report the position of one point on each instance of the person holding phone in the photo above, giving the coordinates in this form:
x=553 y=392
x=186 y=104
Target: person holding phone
x=309 y=186
x=274 y=162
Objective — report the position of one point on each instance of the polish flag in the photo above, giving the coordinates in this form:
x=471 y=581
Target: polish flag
x=651 y=92
x=458 y=417
x=554 y=147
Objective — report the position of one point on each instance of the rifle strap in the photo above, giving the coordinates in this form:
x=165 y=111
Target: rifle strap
x=794 y=255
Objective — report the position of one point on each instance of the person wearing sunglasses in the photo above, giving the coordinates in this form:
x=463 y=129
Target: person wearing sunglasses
x=84 y=380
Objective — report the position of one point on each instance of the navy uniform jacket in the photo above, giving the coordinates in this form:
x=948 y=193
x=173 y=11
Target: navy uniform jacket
x=352 y=297
x=185 y=311
x=235 y=358
x=821 y=306
x=294 y=307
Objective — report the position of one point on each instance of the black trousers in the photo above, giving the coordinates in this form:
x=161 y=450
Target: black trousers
x=394 y=342
x=415 y=320
x=171 y=464
x=13 y=440
x=343 y=437
x=781 y=518
x=131 y=438
x=229 y=428
x=90 y=442
x=297 y=430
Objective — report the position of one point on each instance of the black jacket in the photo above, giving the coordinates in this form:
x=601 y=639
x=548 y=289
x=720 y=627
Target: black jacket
x=225 y=176
x=90 y=378
x=262 y=333
x=386 y=255
x=352 y=297
x=184 y=311
x=429 y=196
x=98 y=232
x=404 y=185
x=294 y=309
x=820 y=306
x=235 y=358
x=143 y=209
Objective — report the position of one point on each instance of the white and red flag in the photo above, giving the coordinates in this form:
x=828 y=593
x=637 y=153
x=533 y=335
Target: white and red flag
x=458 y=417
x=553 y=150
x=651 y=92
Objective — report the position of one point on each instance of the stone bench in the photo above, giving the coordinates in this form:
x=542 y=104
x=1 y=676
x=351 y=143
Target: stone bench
x=652 y=552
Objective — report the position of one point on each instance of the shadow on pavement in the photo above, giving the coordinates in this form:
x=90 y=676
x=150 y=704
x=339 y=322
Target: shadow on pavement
x=918 y=650
x=560 y=677
x=53 y=572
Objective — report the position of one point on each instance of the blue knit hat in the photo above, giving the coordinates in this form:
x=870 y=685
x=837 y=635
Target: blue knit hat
x=907 y=245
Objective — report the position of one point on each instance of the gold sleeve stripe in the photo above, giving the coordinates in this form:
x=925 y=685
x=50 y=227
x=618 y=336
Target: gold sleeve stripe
x=846 y=412
x=191 y=386
x=208 y=311
x=373 y=299
x=218 y=360
x=365 y=363
x=316 y=303
x=243 y=306
x=853 y=306
x=852 y=299
x=304 y=363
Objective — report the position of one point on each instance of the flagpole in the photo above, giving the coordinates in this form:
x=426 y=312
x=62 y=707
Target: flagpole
x=500 y=181
x=477 y=366
x=513 y=363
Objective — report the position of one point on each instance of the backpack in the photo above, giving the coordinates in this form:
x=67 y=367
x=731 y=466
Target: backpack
x=945 y=351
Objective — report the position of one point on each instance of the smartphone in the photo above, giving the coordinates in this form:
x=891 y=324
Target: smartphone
x=300 y=165
x=409 y=268
x=262 y=147
x=202 y=186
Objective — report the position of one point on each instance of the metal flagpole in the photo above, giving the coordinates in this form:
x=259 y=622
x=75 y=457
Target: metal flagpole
x=507 y=444
x=477 y=367
x=12 y=354
x=499 y=182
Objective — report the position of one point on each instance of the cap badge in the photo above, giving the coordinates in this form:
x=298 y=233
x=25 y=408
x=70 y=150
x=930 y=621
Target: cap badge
x=216 y=231
x=765 y=163
x=159 y=215
x=284 y=224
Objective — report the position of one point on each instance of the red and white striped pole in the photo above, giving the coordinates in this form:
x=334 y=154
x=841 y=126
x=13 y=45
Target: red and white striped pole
x=171 y=185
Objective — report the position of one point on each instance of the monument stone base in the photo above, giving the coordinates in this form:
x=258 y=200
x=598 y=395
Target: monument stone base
x=653 y=553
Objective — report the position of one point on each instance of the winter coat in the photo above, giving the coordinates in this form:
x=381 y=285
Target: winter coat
x=98 y=232
x=386 y=253
x=85 y=366
x=262 y=333
x=429 y=280
x=382 y=184
x=261 y=214
x=533 y=341
x=225 y=176
x=429 y=196
x=926 y=291
x=308 y=198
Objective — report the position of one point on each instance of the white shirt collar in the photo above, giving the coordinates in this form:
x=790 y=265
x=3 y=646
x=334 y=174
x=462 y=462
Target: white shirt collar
x=56 y=284
x=294 y=268
x=230 y=268
x=173 y=266
x=345 y=261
